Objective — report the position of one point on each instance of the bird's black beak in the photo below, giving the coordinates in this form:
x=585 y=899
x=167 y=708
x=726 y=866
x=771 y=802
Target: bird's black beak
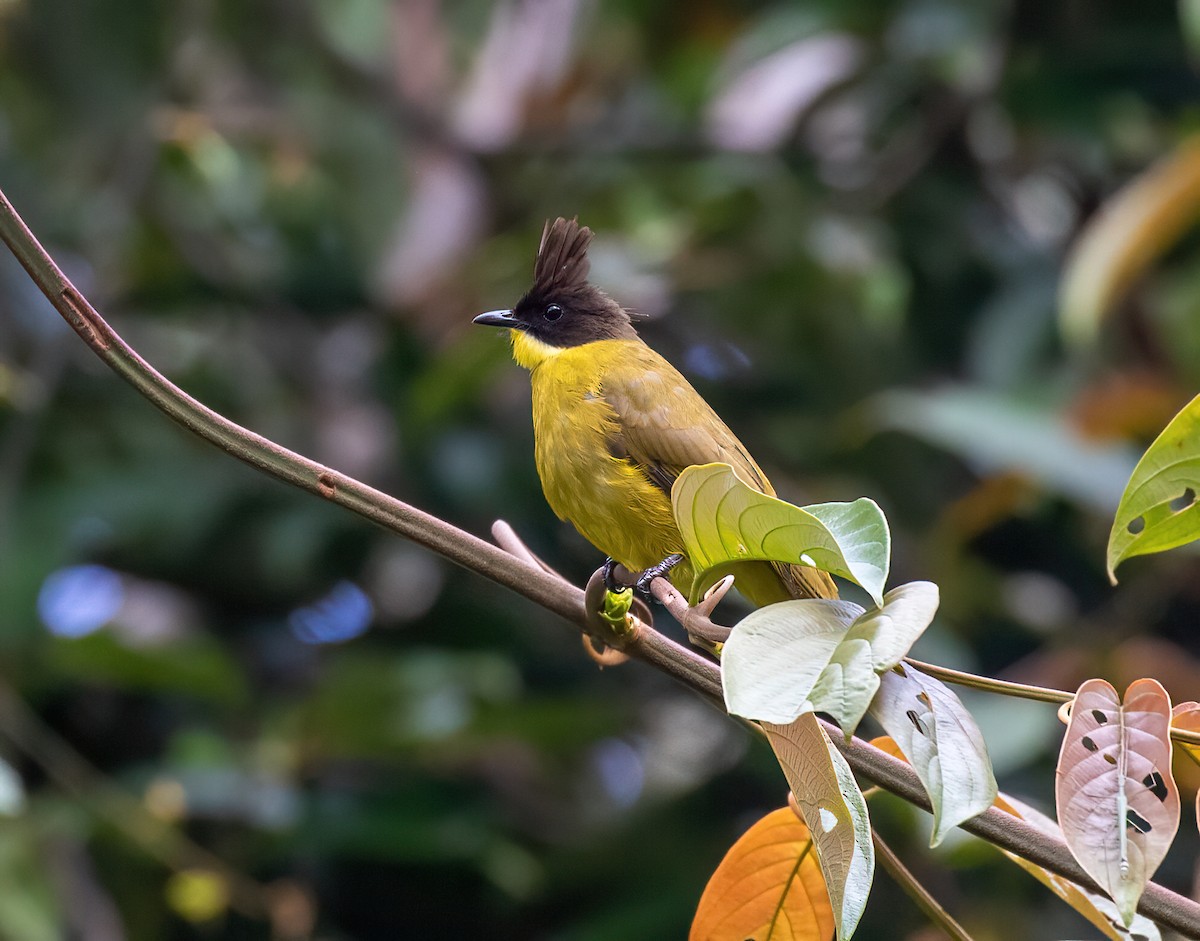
x=499 y=318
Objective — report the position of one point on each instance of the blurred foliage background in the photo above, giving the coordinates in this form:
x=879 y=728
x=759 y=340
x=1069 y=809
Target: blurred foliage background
x=230 y=711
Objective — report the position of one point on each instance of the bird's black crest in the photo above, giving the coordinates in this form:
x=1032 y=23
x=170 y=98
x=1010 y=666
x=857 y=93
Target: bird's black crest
x=562 y=262
x=562 y=308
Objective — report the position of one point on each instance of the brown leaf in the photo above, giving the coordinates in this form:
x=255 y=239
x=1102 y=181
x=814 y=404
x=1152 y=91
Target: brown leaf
x=1135 y=404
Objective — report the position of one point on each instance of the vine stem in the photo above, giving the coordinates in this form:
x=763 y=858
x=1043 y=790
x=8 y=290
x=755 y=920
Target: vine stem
x=526 y=579
x=912 y=887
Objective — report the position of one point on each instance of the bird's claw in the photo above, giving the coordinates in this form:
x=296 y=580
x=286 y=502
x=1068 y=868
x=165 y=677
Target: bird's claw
x=657 y=571
x=610 y=576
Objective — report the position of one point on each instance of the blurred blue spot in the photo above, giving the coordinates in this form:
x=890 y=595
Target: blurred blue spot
x=620 y=770
x=342 y=614
x=80 y=599
x=712 y=362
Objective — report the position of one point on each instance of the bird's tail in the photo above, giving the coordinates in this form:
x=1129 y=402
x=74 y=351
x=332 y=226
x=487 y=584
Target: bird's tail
x=804 y=581
x=764 y=583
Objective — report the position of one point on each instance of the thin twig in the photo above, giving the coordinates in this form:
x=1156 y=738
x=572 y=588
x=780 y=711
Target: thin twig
x=507 y=539
x=648 y=645
x=918 y=893
x=71 y=772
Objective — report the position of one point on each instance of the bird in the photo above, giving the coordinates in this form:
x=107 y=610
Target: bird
x=615 y=424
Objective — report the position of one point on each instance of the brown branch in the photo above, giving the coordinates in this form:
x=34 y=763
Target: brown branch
x=528 y=580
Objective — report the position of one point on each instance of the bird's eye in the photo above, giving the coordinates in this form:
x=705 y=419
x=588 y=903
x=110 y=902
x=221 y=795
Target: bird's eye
x=553 y=312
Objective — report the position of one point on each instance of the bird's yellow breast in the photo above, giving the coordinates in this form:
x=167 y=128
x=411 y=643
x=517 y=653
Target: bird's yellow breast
x=608 y=499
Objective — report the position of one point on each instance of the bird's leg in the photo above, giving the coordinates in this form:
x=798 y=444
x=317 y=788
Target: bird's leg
x=659 y=570
x=610 y=576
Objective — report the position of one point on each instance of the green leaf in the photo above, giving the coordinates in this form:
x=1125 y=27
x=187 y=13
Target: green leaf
x=724 y=520
x=815 y=654
x=1160 y=499
x=940 y=739
x=835 y=811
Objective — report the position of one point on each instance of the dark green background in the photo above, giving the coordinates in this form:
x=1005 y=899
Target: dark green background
x=293 y=209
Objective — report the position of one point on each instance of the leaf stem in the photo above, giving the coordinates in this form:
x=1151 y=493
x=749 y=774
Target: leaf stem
x=990 y=685
x=916 y=891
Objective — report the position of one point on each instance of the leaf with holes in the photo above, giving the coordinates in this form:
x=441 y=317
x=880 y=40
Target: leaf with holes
x=1158 y=510
x=875 y=642
x=1117 y=802
x=815 y=654
x=725 y=521
x=768 y=887
x=1093 y=906
x=940 y=739
x=834 y=808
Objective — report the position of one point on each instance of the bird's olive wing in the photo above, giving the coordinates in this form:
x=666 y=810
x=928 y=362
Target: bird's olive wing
x=663 y=425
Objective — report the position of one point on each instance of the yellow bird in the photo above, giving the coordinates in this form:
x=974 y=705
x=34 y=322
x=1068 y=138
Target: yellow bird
x=615 y=423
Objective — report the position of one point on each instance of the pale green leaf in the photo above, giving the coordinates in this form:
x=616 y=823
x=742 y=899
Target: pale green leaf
x=835 y=811
x=820 y=655
x=875 y=643
x=941 y=741
x=724 y=521
x=1160 y=499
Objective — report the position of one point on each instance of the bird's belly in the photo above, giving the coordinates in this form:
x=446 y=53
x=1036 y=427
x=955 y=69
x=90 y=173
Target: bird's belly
x=610 y=501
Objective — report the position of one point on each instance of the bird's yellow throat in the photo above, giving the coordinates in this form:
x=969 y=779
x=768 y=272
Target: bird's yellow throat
x=529 y=352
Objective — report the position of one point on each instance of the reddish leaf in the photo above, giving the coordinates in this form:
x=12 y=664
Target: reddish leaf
x=767 y=888
x=1117 y=801
x=1097 y=909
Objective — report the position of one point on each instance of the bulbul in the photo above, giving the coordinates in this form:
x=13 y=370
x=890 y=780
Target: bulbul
x=615 y=424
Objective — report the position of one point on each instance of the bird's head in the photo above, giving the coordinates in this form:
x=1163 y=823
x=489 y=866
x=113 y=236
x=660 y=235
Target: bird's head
x=562 y=309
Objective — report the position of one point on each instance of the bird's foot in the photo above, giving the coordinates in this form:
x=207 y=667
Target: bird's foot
x=610 y=576
x=657 y=571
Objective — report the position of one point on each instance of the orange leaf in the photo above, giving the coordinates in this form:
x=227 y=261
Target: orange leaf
x=1186 y=716
x=885 y=743
x=767 y=888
